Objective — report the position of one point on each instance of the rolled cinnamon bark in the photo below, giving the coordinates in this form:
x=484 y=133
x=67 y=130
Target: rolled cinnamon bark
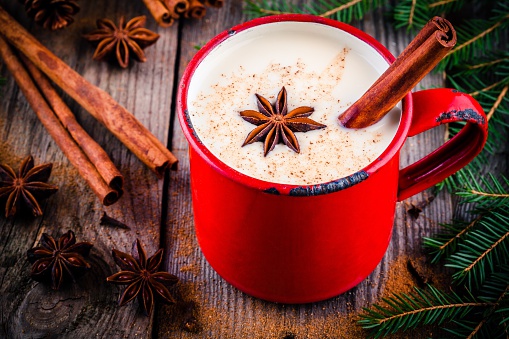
x=178 y=7
x=163 y=15
x=196 y=10
x=97 y=156
x=430 y=46
x=106 y=194
x=97 y=102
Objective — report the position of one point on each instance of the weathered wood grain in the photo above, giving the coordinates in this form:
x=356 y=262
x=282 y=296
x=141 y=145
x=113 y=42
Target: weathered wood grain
x=159 y=213
x=211 y=308
x=87 y=309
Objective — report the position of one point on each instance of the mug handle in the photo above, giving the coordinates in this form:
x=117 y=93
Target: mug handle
x=434 y=107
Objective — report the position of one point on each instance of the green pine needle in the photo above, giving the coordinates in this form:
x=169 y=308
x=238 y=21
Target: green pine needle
x=485 y=190
x=477 y=37
x=341 y=10
x=486 y=323
x=490 y=87
x=442 y=245
x=414 y=14
x=422 y=307
x=483 y=250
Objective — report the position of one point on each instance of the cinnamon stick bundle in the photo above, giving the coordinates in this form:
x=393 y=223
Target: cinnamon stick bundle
x=430 y=46
x=47 y=116
x=162 y=14
x=97 y=156
x=97 y=102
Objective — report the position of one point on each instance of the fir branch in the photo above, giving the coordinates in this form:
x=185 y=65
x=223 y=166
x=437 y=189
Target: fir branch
x=411 y=14
x=258 y=8
x=414 y=14
x=488 y=315
x=488 y=86
x=476 y=37
x=485 y=249
x=486 y=324
x=484 y=190
x=490 y=195
x=441 y=3
x=341 y=10
x=424 y=306
x=444 y=244
x=487 y=65
x=480 y=35
x=497 y=103
x=496 y=287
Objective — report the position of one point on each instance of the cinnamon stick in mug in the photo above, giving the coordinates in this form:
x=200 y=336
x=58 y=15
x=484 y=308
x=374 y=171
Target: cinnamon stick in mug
x=97 y=102
x=430 y=46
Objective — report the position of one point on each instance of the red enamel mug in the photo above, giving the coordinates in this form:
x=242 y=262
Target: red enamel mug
x=304 y=243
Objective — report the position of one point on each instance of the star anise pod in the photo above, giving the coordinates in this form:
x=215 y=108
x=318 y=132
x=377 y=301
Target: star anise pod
x=276 y=124
x=125 y=41
x=57 y=261
x=142 y=277
x=24 y=188
x=51 y=14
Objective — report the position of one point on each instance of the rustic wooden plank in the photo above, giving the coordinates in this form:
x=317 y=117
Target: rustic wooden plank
x=87 y=309
x=209 y=307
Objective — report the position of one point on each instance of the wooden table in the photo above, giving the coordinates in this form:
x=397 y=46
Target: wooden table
x=159 y=212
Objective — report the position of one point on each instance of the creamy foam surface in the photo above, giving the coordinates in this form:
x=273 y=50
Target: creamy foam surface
x=319 y=66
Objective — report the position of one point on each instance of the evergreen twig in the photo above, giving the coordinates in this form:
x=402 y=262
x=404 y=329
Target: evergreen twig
x=414 y=14
x=424 y=306
x=484 y=249
x=486 y=190
x=476 y=37
x=442 y=245
x=341 y=10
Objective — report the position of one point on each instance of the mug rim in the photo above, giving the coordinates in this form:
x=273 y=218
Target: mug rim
x=387 y=155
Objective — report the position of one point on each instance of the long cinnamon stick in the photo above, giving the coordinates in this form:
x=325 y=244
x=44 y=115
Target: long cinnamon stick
x=163 y=15
x=50 y=121
x=430 y=46
x=96 y=101
x=97 y=156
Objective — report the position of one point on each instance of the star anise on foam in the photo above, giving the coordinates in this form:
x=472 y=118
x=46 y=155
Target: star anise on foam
x=276 y=124
x=23 y=189
x=57 y=261
x=142 y=277
x=125 y=41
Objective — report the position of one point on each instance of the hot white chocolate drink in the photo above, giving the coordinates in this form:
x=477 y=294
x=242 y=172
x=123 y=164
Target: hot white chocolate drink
x=321 y=67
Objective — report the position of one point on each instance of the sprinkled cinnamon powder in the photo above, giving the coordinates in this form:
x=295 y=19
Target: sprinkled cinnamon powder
x=207 y=309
